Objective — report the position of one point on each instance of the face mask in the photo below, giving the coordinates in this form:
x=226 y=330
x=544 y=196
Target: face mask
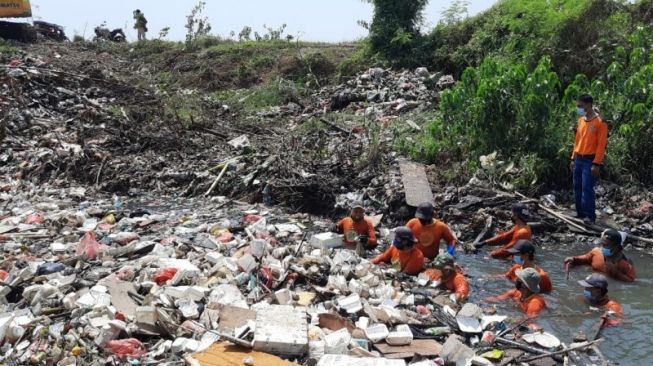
x=587 y=294
x=606 y=252
x=580 y=111
x=517 y=259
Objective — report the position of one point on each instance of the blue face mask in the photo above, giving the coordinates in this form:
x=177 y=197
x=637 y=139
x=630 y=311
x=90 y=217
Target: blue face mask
x=606 y=252
x=517 y=259
x=580 y=111
x=587 y=294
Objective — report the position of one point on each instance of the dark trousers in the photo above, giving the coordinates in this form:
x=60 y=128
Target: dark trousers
x=584 y=188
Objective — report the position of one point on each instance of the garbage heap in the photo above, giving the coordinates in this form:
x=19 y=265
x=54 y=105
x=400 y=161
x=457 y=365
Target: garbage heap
x=212 y=282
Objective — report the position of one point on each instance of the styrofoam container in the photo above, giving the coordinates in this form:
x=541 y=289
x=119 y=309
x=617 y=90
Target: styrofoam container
x=326 y=240
x=401 y=336
x=343 y=360
x=337 y=342
x=376 y=332
x=281 y=330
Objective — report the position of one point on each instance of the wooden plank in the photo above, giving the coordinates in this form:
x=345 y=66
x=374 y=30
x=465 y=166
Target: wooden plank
x=119 y=297
x=423 y=347
x=225 y=354
x=416 y=185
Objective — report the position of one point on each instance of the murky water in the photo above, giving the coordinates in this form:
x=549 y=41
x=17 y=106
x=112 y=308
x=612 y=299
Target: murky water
x=630 y=343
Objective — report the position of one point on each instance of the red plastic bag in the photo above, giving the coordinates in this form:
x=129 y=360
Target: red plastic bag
x=164 y=275
x=131 y=347
x=3 y=275
x=34 y=219
x=88 y=245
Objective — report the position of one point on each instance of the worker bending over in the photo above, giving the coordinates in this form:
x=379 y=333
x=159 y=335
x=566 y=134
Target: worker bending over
x=450 y=276
x=523 y=255
x=521 y=230
x=596 y=294
x=357 y=229
x=609 y=258
x=430 y=232
x=403 y=254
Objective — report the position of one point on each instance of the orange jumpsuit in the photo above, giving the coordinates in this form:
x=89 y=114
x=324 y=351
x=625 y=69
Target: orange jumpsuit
x=363 y=227
x=410 y=262
x=618 y=311
x=508 y=240
x=545 y=280
x=622 y=270
x=429 y=236
x=532 y=306
x=457 y=283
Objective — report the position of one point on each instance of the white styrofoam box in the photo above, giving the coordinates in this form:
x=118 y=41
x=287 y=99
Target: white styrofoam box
x=213 y=257
x=362 y=322
x=326 y=240
x=183 y=345
x=284 y=297
x=281 y=329
x=401 y=336
x=351 y=303
x=337 y=342
x=146 y=315
x=247 y=263
x=343 y=360
x=376 y=332
x=58 y=248
x=257 y=247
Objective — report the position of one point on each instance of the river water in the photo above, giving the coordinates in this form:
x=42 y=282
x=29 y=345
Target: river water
x=630 y=343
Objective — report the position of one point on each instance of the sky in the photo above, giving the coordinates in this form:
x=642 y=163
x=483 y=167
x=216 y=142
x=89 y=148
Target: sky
x=315 y=20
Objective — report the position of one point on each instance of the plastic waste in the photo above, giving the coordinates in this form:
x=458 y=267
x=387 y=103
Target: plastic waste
x=116 y=203
x=88 y=245
x=34 y=219
x=164 y=275
x=130 y=347
x=49 y=268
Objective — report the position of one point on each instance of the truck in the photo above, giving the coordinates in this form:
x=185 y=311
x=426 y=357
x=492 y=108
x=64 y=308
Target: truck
x=24 y=31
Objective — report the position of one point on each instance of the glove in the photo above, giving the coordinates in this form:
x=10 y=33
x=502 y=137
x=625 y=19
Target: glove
x=451 y=249
x=363 y=239
x=453 y=298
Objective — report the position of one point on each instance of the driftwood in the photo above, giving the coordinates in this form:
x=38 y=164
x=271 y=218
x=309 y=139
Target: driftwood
x=215 y=182
x=563 y=351
x=333 y=125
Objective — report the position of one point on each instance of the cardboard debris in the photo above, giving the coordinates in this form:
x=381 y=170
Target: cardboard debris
x=225 y=354
x=421 y=347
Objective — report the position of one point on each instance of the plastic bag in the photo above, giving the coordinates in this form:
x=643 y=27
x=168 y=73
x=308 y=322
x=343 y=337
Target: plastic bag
x=88 y=245
x=126 y=273
x=164 y=275
x=131 y=347
x=34 y=219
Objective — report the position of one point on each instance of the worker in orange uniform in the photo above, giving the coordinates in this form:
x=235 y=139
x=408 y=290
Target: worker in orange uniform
x=609 y=258
x=403 y=254
x=596 y=294
x=430 y=232
x=587 y=156
x=526 y=293
x=450 y=276
x=523 y=255
x=357 y=229
x=521 y=230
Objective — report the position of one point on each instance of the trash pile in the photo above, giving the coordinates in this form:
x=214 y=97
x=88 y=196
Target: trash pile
x=95 y=282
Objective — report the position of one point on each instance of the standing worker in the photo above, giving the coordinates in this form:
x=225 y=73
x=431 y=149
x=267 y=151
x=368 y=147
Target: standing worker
x=609 y=258
x=141 y=24
x=596 y=293
x=521 y=230
x=429 y=232
x=587 y=156
x=402 y=253
x=357 y=229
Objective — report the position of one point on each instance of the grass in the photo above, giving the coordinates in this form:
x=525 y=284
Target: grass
x=7 y=47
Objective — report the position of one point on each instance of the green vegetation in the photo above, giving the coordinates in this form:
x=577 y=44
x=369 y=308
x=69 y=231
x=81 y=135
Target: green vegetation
x=7 y=47
x=520 y=67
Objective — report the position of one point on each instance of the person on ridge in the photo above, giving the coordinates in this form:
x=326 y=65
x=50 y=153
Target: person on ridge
x=450 y=276
x=526 y=293
x=523 y=255
x=587 y=156
x=429 y=232
x=141 y=24
x=357 y=229
x=521 y=230
x=609 y=258
x=596 y=294
x=403 y=254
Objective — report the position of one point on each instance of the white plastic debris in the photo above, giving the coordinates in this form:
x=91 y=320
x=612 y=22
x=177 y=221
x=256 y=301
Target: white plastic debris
x=377 y=332
x=281 y=329
x=401 y=336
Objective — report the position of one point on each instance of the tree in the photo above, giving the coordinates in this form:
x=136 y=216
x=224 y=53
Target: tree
x=455 y=13
x=196 y=27
x=395 y=27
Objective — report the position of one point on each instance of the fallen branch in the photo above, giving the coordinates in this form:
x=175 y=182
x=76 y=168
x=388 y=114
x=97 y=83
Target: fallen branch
x=333 y=125
x=549 y=354
x=215 y=182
